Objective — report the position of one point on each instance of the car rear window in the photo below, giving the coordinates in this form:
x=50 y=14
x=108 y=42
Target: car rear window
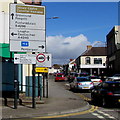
x=94 y=77
x=59 y=75
x=112 y=86
x=83 y=79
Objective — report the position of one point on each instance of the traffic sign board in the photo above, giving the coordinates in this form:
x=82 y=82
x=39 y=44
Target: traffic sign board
x=27 y=46
x=41 y=57
x=27 y=34
x=44 y=60
x=24 y=59
x=41 y=69
x=27 y=24
x=27 y=16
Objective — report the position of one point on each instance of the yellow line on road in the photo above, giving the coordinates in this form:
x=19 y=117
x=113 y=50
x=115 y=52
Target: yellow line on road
x=93 y=108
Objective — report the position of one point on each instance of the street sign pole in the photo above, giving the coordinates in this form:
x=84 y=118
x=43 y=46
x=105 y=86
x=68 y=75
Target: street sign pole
x=39 y=85
x=43 y=85
x=33 y=86
x=15 y=86
x=46 y=85
x=15 y=1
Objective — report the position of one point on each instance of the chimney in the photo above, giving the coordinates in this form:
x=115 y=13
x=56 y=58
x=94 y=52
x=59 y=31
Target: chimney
x=89 y=47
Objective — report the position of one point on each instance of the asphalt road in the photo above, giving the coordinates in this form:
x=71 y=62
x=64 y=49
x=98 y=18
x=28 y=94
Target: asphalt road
x=101 y=113
x=63 y=103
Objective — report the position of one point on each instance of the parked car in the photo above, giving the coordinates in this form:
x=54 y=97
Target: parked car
x=83 y=74
x=106 y=93
x=71 y=76
x=80 y=83
x=116 y=75
x=96 y=80
x=112 y=79
x=60 y=77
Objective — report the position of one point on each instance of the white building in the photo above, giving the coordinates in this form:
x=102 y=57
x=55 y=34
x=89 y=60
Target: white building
x=93 y=60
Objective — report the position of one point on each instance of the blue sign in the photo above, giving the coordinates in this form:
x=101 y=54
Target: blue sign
x=24 y=43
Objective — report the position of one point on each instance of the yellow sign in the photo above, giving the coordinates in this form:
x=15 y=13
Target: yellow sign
x=41 y=69
x=30 y=10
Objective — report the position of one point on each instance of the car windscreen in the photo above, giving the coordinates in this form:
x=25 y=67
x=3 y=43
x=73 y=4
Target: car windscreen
x=83 y=79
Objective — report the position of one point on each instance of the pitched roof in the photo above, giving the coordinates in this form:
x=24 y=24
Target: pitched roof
x=95 y=51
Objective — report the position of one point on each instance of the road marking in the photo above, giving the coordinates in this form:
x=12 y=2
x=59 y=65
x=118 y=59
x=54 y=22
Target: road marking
x=106 y=114
x=98 y=115
x=84 y=97
x=93 y=108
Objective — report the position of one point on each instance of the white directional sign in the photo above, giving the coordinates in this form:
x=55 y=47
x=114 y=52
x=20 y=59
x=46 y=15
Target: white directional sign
x=44 y=60
x=27 y=16
x=26 y=46
x=24 y=59
x=27 y=24
x=29 y=35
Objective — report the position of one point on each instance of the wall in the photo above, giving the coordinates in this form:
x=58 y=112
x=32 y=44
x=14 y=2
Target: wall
x=92 y=60
x=4 y=20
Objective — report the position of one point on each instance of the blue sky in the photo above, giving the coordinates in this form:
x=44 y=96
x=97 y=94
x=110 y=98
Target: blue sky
x=93 y=20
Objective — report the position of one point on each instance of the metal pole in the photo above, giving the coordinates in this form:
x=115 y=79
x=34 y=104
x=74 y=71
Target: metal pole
x=15 y=1
x=33 y=86
x=46 y=85
x=43 y=85
x=15 y=85
x=38 y=85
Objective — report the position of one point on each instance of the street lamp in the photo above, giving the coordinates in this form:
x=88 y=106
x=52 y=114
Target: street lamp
x=55 y=17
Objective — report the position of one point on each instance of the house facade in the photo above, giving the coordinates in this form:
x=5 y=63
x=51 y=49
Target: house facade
x=93 y=61
x=113 y=50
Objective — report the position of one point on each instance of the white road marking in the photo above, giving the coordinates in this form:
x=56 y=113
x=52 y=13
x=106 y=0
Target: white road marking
x=106 y=114
x=97 y=115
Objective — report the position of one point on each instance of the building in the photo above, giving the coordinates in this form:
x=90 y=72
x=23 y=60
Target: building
x=92 y=61
x=113 y=50
x=71 y=65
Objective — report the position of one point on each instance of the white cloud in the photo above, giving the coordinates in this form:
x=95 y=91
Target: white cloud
x=65 y=48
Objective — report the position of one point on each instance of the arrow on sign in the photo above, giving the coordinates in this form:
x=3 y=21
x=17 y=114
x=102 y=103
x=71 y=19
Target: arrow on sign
x=48 y=58
x=16 y=58
x=41 y=46
x=13 y=34
x=12 y=15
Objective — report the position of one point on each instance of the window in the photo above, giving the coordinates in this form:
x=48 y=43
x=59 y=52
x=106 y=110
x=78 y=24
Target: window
x=97 y=60
x=87 y=60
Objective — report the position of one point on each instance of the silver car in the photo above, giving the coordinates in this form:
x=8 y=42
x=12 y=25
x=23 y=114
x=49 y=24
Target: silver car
x=81 y=83
x=112 y=79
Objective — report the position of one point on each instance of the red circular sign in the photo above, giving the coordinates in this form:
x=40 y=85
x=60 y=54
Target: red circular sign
x=41 y=57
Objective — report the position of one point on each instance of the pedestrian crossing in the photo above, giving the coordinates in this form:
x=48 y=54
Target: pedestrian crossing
x=104 y=116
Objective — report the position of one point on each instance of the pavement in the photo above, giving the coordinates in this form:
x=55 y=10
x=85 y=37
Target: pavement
x=59 y=101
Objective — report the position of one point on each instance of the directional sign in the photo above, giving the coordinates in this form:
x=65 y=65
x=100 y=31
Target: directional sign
x=27 y=25
x=16 y=34
x=27 y=16
x=41 y=69
x=24 y=59
x=43 y=60
x=27 y=46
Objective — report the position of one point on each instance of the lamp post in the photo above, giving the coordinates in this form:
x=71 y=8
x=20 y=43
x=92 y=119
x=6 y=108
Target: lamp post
x=55 y=17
